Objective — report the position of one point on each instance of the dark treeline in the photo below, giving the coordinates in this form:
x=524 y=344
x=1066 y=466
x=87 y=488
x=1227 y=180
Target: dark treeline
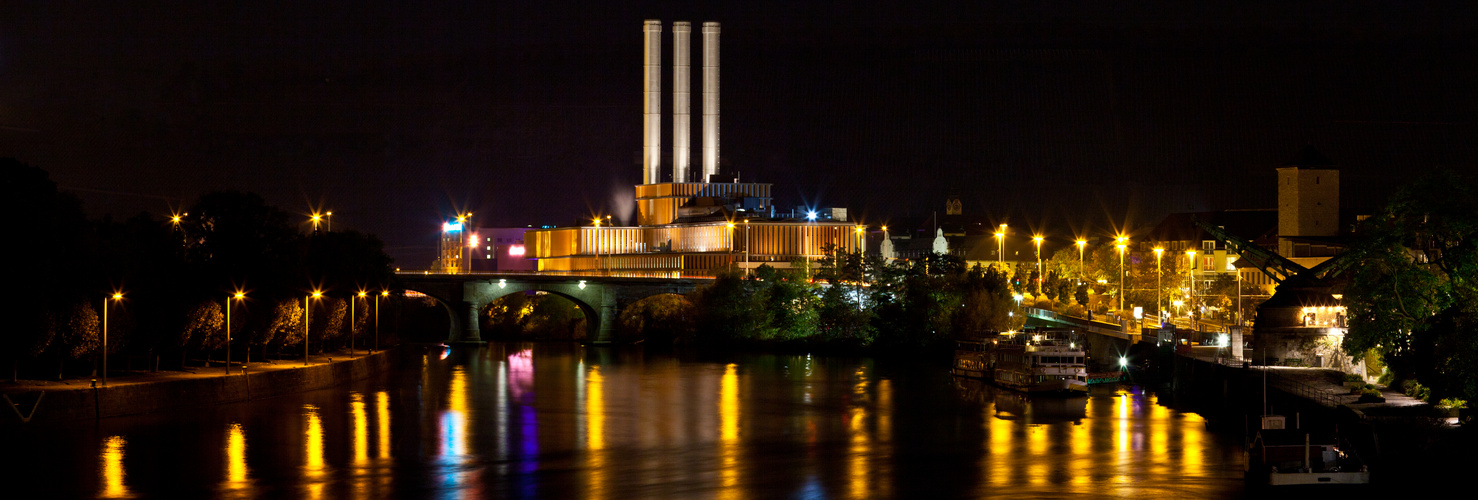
x=849 y=302
x=176 y=274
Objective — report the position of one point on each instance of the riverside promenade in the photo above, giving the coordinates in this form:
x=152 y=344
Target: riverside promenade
x=43 y=402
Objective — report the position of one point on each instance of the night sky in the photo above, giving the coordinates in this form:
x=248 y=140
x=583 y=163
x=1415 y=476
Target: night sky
x=1061 y=117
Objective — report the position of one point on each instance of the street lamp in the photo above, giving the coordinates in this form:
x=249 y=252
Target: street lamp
x=235 y=296
x=116 y=297
x=1158 y=252
x=317 y=294
x=383 y=293
x=329 y=219
x=1040 y=272
x=746 y=247
x=1190 y=273
x=1123 y=243
x=354 y=321
x=316 y=218
x=599 y=266
x=729 y=239
x=1082 y=243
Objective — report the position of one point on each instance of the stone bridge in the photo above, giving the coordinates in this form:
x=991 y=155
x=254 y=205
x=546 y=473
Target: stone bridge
x=601 y=298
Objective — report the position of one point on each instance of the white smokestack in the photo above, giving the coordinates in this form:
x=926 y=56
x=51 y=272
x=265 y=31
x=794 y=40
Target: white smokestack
x=710 y=100
x=652 y=103
x=682 y=149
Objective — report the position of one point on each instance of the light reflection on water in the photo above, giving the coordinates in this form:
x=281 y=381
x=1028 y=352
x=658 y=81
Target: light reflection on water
x=554 y=420
x=112 y=468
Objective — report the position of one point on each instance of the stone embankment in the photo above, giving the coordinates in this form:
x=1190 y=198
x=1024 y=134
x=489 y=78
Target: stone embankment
x=55 y=402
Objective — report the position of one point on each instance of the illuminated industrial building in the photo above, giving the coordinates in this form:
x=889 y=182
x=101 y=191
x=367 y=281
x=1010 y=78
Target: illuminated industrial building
x=696 y=222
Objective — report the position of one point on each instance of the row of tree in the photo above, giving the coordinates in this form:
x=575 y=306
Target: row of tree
x=176 y=275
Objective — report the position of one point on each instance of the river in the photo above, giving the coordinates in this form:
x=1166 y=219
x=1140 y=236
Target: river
x=524 y=420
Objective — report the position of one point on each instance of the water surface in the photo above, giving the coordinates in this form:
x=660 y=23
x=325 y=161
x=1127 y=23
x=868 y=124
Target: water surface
x=565 y=421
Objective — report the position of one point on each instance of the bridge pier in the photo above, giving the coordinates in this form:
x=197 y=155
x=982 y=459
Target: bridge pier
x=472 y=330
x=606 y=320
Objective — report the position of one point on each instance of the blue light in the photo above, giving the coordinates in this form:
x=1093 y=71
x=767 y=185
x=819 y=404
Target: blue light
x=811 y=215
x=451 y=227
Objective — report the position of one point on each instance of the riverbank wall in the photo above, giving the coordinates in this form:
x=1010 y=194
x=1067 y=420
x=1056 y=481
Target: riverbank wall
x=52 y=406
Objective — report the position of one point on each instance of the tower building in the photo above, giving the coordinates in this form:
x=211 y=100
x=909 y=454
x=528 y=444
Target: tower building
x=688 y=225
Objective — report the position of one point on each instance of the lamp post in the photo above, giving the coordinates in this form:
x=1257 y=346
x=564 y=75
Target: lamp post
x=1158 y=252
x=1121 y=246
x=354 y=321
x=328 y=219
x=1041 y=273
x=1082 y=243
x=316 y=218
x=306 y=316
x=235 y=296
x=1001 y=257
x=1190 y=274
x=383 y=293
x=729 y=237
x=599 y=266
x=117 y=296
x=746 y=247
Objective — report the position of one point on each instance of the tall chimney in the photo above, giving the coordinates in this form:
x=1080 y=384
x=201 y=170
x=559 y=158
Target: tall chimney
x=682 y=128
x=652 y=103
x=710 y=100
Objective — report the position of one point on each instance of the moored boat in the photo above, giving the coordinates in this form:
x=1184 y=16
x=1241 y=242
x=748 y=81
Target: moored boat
x=1040 y=361
x=1289 y=457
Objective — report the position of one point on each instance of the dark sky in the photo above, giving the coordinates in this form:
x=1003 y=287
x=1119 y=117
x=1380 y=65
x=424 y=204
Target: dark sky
x=1056 y=115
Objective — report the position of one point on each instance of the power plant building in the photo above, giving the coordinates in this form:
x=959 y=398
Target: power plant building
x=698 y=221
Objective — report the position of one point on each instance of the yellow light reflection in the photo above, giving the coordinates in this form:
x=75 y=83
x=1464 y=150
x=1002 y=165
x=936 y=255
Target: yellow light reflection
x=361 y=429
x=997 y=464
x=728 y=414
x=1159 y=435
x=360 y=422
x=1036 y=448
x=382 y=403
x=112 y=468
x=314 y=469
x=860 y=446
x=595 y=436
x=237 y=481
x=884 y=435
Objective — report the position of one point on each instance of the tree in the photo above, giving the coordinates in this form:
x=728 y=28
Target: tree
x=1413 y=296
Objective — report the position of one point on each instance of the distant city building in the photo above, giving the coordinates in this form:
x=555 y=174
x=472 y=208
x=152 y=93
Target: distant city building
x=500 y=249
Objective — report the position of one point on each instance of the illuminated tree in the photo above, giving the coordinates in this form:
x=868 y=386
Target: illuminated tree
x=1413 y=296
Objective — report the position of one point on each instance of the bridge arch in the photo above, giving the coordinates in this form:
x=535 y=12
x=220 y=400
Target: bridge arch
x=599 y=297
x=486 y=312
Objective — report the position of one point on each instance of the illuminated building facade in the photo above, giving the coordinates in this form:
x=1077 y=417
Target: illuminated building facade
x=451 y=257
x=696 y=221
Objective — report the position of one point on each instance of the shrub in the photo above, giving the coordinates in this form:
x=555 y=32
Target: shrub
x=1043 y=303
x=1386 y=378
x=1076 y=310
x=1454 y=403
x=1350 y=377
x=1371 y=396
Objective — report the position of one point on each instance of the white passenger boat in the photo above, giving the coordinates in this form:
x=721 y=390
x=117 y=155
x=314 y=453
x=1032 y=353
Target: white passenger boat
x=1040 y=361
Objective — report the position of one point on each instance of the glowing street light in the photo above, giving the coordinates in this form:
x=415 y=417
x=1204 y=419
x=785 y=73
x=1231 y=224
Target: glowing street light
x=746 y=247
x=116 y=297
x=1123 y=243
x=317 y=294
x=1040 y=272
x=383 y=293
x=1190 y=273
x=1158 y=252
x=354 y=320
x=315 y=218
x=238 y=296
x=1082 y=243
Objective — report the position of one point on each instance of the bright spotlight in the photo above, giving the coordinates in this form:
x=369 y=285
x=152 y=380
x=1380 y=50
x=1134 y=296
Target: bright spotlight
x=811 y=215
x=1123 y=361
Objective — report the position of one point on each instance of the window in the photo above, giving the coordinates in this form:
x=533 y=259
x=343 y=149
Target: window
x=1208 y=245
